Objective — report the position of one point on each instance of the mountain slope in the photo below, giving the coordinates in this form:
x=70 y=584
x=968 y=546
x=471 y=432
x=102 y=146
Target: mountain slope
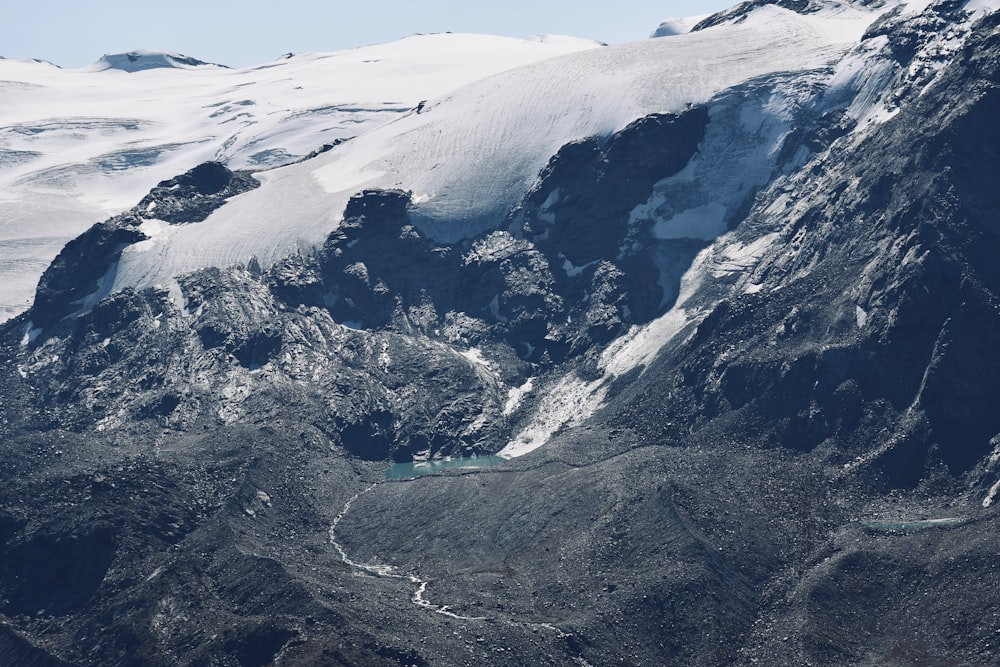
x=732 y=338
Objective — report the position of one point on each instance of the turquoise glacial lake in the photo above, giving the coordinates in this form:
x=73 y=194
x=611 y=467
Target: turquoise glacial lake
x=418 y=468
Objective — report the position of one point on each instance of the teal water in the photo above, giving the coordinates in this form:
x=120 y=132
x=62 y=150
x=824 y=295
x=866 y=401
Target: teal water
x=418 y=468
x=911 y=525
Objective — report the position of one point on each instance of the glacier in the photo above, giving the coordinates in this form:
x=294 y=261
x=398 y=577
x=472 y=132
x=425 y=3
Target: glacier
x=468 y=156
x=77 y=146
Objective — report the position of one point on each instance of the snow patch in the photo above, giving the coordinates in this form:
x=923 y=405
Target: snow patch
x=176 y=297
x=570 y=400
x=572 y=270
x=152 y=227
x=641 y=344
x=384 y=358
x=31 y=333
x=475 y=356
x=736 y=256
x=980 y=7
x=566 y=403
x=863 y=77
x=515 y=396
x=991 y=496
x=861 y=315
x=995 y=455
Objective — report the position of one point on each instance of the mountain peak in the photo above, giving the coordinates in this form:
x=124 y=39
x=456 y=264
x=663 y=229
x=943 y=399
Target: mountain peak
x=142 y=59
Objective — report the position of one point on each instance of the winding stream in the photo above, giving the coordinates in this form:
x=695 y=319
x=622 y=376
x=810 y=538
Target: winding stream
x=388 y=571
x=418 y=597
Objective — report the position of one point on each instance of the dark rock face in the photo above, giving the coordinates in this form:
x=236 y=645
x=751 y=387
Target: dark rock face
x=196 y=476
x=599 y=182
x=56 y=574
x=594 y=188
x=192 y=196
x=883 y=322
x=540 y=285
x=83 y=269
x=19 y=651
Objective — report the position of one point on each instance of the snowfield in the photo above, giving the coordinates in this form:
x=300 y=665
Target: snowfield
x=77 y=146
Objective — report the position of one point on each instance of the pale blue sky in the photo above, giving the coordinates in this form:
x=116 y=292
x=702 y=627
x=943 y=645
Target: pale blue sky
x=75 y=33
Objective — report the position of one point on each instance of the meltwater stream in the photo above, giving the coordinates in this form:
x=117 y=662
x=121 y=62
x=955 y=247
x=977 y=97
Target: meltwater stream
x=389 y=571
x=401 y=472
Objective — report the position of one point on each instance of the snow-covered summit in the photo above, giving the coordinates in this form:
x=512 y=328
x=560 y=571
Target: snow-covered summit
x=140 y=60
x=33 y=61
x=678 y=26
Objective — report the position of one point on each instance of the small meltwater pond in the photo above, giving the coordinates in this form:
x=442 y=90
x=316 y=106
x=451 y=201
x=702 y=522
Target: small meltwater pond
x=418 y=468
x=912 y=525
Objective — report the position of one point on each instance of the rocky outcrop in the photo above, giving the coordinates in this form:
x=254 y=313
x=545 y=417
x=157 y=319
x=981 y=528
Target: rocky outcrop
x=192 y=196
x=83 y=272
x=139 y=61
x=540 y=284
x=739 y=12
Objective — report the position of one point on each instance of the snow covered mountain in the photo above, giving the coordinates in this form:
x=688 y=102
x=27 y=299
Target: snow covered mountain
x=79 y=145
x=677 y=26
x=695 y=337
